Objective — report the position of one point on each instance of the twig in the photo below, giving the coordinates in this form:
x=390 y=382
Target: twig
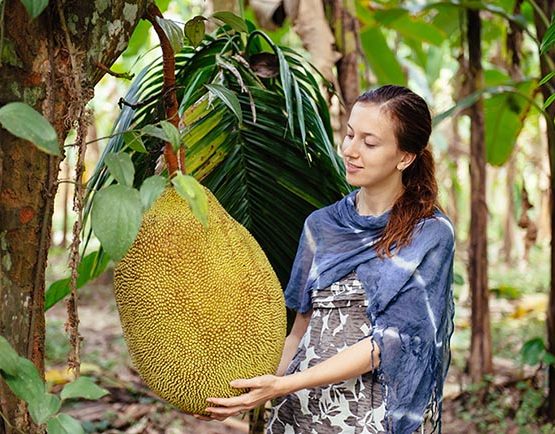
x=168 y=90
x=108 y=71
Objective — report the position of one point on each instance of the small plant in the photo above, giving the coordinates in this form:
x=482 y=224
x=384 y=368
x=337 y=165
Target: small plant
x=24 y=380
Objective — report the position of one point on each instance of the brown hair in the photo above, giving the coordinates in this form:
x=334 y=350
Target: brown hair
x=412 y=126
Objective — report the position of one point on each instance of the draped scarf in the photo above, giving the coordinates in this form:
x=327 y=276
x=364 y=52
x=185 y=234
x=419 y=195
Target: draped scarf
x=410 y=299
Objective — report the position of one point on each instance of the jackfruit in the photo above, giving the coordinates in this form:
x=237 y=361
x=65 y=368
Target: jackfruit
x=199 y=306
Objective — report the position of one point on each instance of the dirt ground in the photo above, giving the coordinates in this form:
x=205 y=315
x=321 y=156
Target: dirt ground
x=131 y=408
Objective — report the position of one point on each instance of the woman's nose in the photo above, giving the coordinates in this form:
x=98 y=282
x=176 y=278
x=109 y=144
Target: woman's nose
x=349 y=148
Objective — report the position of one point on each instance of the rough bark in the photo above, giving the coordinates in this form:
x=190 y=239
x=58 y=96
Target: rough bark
x=480 y=362
x=548 y=8
x=41 y=74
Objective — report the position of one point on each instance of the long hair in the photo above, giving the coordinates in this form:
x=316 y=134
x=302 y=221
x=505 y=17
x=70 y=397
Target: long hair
x=412 y=124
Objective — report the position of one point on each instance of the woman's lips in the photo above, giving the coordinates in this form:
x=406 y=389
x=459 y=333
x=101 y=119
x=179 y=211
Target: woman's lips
x=351 y=168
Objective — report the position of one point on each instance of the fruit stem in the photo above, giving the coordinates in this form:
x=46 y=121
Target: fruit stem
x=174 y=161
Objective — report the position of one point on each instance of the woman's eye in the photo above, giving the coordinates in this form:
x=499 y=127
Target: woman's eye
x=370 y=145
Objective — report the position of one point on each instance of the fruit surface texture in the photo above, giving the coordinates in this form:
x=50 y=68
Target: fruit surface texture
x=199 y=306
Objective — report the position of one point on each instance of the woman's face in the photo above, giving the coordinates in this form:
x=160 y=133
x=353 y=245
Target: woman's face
x=370 y=151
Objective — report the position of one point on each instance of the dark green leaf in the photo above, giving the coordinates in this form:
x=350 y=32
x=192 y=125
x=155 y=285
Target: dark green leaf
x=23 y=121
x=549 y=101
x=90 y=267
x=64 y=424
x=382 y=59
x=532 y=351
x=195 y=30
x=193 y=192
x=154 y=131
x=26 y=384
x=134 y=141
x=232 y=20
x=548 y=39
x=8 y=357
x=83 y=387
x=116 y=218
x=150 y=190
x=173 y=32
x=121 y=168
x=172 y=133
x=546 y=78
x=549 y=359
x=228 y=97
x=34 y=7
x=44 y=409
x=458 y=279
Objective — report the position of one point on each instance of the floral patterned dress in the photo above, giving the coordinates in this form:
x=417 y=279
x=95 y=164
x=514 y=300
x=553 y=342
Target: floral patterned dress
x=354 y=406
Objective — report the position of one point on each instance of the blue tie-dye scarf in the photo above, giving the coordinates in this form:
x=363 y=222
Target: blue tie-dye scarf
x=410 y=299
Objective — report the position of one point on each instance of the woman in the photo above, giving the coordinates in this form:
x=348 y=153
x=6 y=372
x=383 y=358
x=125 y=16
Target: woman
x=371 y=284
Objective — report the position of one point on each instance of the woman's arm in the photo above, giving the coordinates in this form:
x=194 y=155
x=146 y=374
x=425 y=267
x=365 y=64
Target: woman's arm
x=354 y=360
x=292 y=341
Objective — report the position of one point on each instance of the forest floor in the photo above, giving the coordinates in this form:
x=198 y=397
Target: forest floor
x=511 y=402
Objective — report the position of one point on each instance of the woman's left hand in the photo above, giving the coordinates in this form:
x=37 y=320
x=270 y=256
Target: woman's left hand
x=262 y=389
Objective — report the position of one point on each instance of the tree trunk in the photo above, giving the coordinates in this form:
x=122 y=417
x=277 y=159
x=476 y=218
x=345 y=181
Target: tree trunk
x=41 y=73
x=480 y=362
x=548 y=8
x=344 y=24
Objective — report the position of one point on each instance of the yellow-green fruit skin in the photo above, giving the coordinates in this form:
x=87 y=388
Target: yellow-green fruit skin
x=199 y=306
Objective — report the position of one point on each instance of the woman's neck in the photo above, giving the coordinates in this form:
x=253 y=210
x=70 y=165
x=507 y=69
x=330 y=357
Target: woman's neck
x=375 y=203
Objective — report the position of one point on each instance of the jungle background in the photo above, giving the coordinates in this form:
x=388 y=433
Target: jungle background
x=486 y=70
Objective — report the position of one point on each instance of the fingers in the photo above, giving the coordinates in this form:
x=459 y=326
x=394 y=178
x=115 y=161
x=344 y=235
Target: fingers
x=201 y=417
x=221 y=413
x=243 y=383
x=235 y=401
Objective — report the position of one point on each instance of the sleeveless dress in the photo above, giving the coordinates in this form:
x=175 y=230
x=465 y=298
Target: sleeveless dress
x=354 y=406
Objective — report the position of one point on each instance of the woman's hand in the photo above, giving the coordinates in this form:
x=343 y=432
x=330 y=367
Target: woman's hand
x=262 y=389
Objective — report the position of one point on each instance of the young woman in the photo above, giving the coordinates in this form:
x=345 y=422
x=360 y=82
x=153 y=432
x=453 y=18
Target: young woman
x=371 y=284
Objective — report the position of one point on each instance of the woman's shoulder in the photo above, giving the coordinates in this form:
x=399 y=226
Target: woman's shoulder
x=436 y=228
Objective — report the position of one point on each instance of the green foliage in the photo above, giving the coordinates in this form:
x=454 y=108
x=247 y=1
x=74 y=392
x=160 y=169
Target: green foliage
x=150 y=190
x=90 y=267
x=534 y=352
x=173 y=32
x=24 y=380
x=195 y=30
x=35 y=7
x=191 y=190
x=121 y=168
x=116 y=218
x=228 y=98
x=232 y=20
x=25 y=122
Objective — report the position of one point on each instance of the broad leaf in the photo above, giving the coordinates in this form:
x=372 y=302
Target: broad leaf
x=25 y=122
x=26 y=384
x=232 y=20
x=64 y=424
x=121 y=168
x=116 y=218
x=83 y=387
x=134 y=141
x=154 y=131
x=174 y=33
x=35 y=7
x=8 y=357
x=532 y=351
x=192 y=191
x=382 y=59
x=44 y=409
x=90 y=267
x=195 y=30
x=172 y=133
x=150 y=190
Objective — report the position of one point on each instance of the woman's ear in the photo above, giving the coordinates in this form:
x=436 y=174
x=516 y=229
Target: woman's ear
x=406 y=161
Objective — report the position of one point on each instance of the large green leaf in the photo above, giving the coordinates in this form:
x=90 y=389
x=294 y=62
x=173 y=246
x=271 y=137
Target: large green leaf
x=35 y=7
x=116 y=218
x=382 y=59
x=504 y=116
x=83 y=387
x=23 y=121
x=8 y=357
x=89 y=268
x=64 y=424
